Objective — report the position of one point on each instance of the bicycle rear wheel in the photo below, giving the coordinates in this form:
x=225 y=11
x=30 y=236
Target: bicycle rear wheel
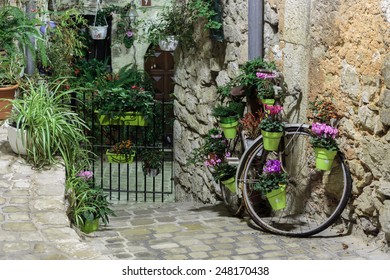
x=315 y=199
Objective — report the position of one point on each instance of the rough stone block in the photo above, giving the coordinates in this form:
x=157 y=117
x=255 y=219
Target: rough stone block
x=386 y=71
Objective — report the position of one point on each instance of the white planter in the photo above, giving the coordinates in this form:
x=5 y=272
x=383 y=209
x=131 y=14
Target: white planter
x=169 y=44
x=98 y=32
x=15 y=139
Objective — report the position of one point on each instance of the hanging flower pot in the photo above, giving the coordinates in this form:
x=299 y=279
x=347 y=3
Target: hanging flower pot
x=128 y=118
x=229 y=127
x=267 y=101
x=98 y=32
x=230 y=184
x=90 y=226
x=324 y=158
x=152 y=172
x=277 y=198
x=271 y=140
x=169 y=44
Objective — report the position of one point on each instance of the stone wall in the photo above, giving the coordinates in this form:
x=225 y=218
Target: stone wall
x=198 y=73
x=350 y=62
x=338 y=49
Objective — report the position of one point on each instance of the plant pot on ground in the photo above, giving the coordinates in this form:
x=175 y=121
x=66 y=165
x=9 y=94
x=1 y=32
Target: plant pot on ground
x=87 y=203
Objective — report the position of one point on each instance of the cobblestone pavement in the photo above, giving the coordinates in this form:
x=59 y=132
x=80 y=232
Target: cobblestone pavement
x=33 y=225
x=181 y=231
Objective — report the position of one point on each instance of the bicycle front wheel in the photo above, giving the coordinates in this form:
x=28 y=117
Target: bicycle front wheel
x=314 y=198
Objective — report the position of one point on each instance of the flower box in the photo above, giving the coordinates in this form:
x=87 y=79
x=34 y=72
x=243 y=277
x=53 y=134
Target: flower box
x=120 y=158
x=129 y=118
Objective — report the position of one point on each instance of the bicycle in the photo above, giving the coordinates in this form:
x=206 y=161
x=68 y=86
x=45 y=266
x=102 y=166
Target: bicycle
x=315 y=199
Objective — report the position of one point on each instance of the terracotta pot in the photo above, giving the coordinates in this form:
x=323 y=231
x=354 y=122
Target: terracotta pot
x=7 y=92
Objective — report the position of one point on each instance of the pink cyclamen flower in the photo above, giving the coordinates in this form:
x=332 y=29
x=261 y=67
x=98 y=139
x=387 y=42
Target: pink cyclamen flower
x=262 y=75
x=85 y=174
x=273 y=109
x=323 y=130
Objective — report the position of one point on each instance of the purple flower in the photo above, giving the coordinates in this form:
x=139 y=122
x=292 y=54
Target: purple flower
x=262 y=75
x=323 y=130
x=272 y=166
x=85 y=174
x=129 y=34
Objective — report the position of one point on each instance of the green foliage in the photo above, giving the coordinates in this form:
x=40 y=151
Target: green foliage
x=152 y=158
x=268 y=182
x=65 y=43
x=271 y=124
x=16 y=29
x=15 y=26
x=324 y=142
x=117 y=101
x=248 y=77
x=179 y=20
x=224 y=171
x=232 y=109
x=214 y=143
x=52 y=128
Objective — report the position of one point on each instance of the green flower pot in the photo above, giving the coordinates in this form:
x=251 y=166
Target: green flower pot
x=268 y=101
x=277 y=198
x=324 y=158
x=120 y=158
x=129 y=118
x=229 y=128
x=230 y=184
x=271 y=140
x=90 y=226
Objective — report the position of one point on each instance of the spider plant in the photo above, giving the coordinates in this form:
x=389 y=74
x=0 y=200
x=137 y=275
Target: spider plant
x=52 y=128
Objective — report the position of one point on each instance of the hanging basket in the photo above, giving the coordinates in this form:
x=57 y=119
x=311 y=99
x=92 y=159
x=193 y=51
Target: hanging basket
x=98 y=32
x=324 y=158
x=277 y=198
x=271 y=140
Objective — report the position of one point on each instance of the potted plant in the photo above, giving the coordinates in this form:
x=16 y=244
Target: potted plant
x=272 y=128
x=226 y=173
x=87 y=203
x=124 y=106
x=324 y=143
x=272 y=183
x=212 y=151
x=98 y=30
x=228 y=116
x=50 y=126
x=121 y=152
x=152 y=161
